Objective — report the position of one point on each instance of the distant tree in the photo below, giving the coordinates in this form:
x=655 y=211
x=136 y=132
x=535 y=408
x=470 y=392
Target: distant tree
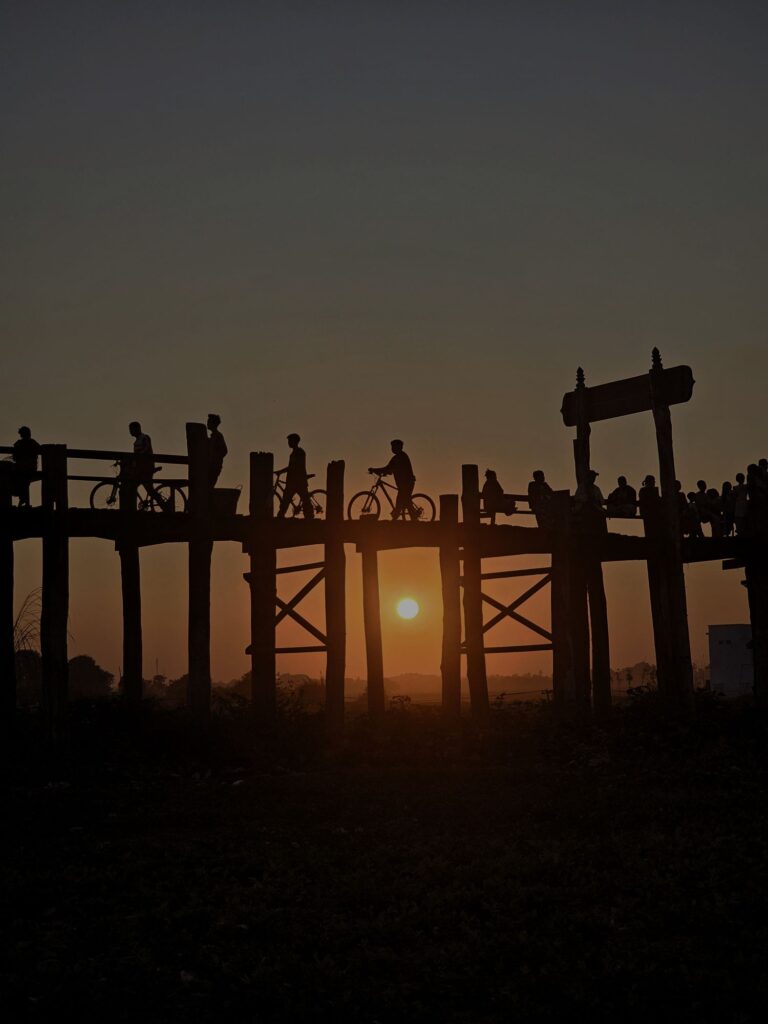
x=87 y=679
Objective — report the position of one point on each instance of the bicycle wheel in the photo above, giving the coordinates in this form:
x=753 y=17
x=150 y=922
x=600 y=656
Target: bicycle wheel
x=104 y=495
x=167 y=498
x=423 y=508
x=318 y=503
x=365 y=504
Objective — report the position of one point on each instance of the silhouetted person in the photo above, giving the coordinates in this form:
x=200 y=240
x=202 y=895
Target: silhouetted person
x=715 y=511
x=142 y=465
x=622 y=501
x=540 y=497
x=589 y=502
x=296 y=479
x=690 y=523
x=217 y=449
x=495 y=501
x=26 y=452
x=740 y=504
x=757 y=503
x=648 y=498
x=399 y=466
x=702 y=501
x=728 y=501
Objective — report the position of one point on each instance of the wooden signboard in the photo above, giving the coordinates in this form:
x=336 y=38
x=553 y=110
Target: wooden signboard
x=623 y=397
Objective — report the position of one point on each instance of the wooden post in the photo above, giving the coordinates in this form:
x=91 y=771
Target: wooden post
x=372 y=623
x=263 y=582
x=653 y=527
x=450 y=572
x=200 y=550
x=678 y=682
x=7 y=649
x=335 y=598
x=473 y=601
x=55 y=602
x=563 y=678
x=132 y=683
x=756 y=582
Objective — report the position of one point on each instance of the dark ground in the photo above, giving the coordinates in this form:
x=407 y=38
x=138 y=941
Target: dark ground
x=417 y=876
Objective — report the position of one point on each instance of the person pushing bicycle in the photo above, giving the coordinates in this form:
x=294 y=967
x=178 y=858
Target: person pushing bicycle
x=399 y=466
x=296 y=479
x=141 y=467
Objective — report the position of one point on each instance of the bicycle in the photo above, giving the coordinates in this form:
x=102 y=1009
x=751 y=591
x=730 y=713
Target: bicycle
x=159 y=497
x=366 y=504
x=317 y=497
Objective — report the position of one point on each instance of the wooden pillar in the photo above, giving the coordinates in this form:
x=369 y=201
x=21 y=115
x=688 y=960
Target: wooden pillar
x=563 y=678
x=55 y=600
x=653 y=527
x=132 y=683
x=7 y=649
x=678 y=684
x=473 y=601
x=200 y=550
x=598 y=621
x=335 y=598
x=756 y=582
x=450 y=572
x=372 y=623
x=579 y=621
x=263 y=581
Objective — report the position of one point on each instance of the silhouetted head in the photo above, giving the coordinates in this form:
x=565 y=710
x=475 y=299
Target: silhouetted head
x=752 y=469
x=134 y=429
x=396 y=445
x=691 y=496
x=592 y=475
x=25 y=432
x=293 y=440
x=622 y=481
x=650 y=481
x=763 y=464
x=538 y=475
x=740 y=478
x=727 y=487
x=701 y=484
x=712 y=492
x=490 y=474
x=678 y=485
x=213 y=421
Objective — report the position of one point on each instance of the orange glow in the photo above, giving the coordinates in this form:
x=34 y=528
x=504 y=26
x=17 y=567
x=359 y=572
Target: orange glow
x=407 y=608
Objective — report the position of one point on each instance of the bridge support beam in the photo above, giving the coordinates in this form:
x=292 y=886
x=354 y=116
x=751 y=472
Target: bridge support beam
x=132 y=683
x=7 y=651
x=372 y=624
x=450 y=572
x=263 y=582
x=200 y=551
x=598 y=621
x=54 y=613
x=756 y=582
x=335 y=599
x=473 y=599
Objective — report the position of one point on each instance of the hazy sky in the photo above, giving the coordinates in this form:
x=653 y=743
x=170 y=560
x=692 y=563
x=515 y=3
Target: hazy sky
x=361 y=221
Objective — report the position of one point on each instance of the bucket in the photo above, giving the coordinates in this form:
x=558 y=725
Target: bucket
x=225 y=501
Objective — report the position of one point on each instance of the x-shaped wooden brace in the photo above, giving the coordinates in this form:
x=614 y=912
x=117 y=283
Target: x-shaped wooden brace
x=288 y=608
x=508 y=610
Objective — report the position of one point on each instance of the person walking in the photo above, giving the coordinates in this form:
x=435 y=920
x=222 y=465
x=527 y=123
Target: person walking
x=26 y=452
x=399 y=466
x=217 y=449
x=296 y=480
x=142 y=466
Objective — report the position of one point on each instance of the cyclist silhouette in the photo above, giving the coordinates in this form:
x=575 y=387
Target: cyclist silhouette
x=296 y=479
x=399 y=466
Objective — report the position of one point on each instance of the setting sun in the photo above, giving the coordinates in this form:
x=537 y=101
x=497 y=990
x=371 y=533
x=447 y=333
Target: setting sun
x=407 y=608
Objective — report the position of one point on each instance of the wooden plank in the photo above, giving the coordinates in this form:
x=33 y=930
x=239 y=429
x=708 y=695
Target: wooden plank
x=288 y=606
x=513 y=573
x=96 y=455
x=54 y=614
x=281 y=570
x=286 y=610
x=335 y=598
x=372 y=624
x=319 y=649
x=200 y=552
x=563 y=679
x=598 y=621
x=263 y=582
x=629 y=396
x=518 y=649
x=508 y=610
x=450 y=661
x=473 y=600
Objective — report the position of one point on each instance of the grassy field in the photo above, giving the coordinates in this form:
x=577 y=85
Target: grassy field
x=411 y=875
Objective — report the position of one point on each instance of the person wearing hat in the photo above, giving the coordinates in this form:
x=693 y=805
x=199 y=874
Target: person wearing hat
x=399 y=466
x=588 y=493
x=296 y=479
x=217 y=449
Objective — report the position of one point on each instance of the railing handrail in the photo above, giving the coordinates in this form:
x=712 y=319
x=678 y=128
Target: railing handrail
x=87 y=453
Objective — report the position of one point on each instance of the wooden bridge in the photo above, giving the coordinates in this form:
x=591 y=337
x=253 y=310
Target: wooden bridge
x=569 y=555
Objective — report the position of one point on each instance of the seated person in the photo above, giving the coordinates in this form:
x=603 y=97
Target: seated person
x=539 y=498
x=495 y=501
x=622 y=501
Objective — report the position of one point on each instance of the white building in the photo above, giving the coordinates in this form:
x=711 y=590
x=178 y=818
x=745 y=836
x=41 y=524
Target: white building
x=730 y=660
